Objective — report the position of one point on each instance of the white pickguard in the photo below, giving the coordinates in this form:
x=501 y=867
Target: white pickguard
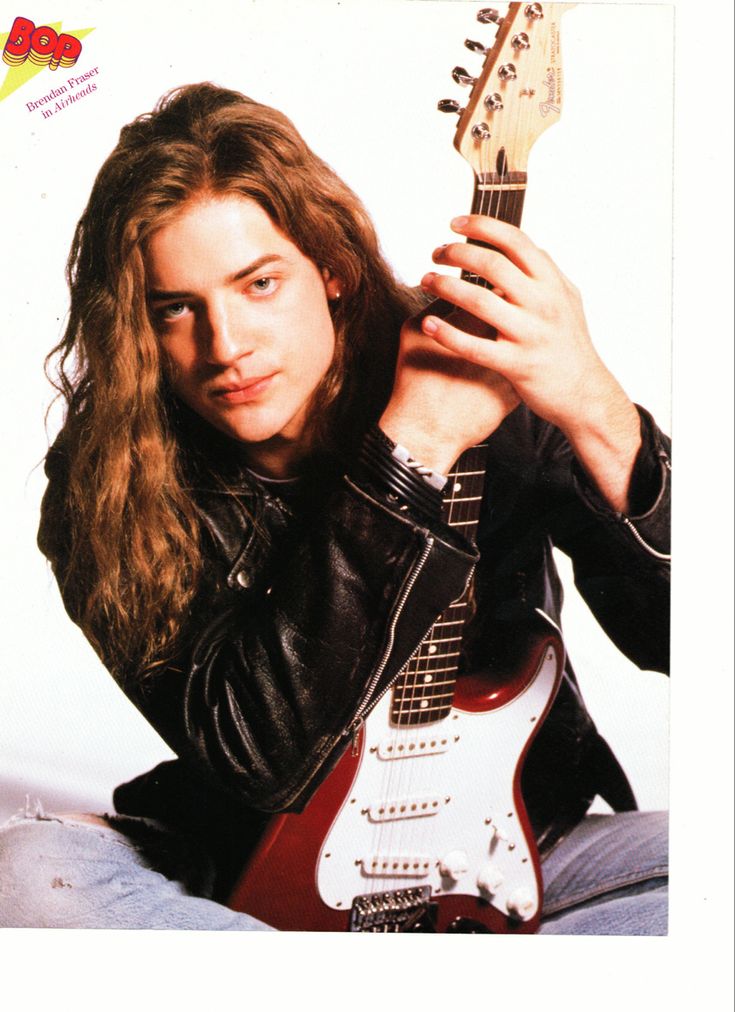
x=442 y=814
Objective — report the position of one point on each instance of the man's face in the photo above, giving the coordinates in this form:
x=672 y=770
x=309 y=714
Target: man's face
x=243 y=318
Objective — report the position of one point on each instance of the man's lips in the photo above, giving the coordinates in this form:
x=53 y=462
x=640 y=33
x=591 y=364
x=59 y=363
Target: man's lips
x=239 y=393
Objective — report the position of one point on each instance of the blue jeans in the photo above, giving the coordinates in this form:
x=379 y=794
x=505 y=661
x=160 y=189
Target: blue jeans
x=607 y=877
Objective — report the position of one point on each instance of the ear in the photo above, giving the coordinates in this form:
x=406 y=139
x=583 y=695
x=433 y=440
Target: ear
x=332 y=285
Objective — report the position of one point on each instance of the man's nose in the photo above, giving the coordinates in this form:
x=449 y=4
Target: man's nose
x=225 y=334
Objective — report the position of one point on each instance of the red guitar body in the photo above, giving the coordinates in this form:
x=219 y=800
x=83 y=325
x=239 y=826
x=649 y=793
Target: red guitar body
x=284 y=882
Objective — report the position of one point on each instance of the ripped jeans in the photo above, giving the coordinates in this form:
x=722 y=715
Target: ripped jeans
x=607 y=877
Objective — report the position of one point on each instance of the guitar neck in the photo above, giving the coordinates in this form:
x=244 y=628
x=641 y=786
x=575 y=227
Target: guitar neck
x=497 y=195
x=500 y=195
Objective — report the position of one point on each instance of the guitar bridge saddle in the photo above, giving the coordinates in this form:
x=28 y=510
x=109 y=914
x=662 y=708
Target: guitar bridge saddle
x=409 y=910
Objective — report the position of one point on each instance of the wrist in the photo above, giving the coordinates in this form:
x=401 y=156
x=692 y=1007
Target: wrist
x=606 y=438
x=398 y=476
x=433 y=451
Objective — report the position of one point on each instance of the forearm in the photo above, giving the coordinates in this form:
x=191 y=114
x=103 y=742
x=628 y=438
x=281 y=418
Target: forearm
x=606 y=438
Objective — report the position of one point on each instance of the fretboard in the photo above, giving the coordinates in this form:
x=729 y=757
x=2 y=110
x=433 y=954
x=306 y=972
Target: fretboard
x=425 y=690
x=497 y=195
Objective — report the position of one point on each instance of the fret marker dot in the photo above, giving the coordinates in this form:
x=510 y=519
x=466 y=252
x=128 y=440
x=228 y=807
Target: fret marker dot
x=433 y=648
x=428 y=678
x=424 y=703
x=457 y=486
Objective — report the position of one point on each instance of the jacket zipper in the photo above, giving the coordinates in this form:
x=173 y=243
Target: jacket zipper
x=359 y=719
x=644 y=544
x=633 y=530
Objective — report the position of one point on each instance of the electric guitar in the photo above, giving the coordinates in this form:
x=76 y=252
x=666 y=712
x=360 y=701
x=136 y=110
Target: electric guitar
x=421 y=825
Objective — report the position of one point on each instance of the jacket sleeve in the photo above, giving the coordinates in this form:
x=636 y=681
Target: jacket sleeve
x=621 y=562
x=287 y=646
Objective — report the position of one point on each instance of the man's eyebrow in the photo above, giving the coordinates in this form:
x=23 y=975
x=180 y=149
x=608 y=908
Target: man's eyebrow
x=156 y=295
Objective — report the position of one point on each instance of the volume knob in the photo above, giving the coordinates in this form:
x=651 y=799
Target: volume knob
x=454 y=865
x=490 y=879
x=521 y=904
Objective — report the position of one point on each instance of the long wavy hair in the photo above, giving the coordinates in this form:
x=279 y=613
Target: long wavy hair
x=130 y=557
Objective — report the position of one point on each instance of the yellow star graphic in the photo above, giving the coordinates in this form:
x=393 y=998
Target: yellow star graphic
x=18 y=76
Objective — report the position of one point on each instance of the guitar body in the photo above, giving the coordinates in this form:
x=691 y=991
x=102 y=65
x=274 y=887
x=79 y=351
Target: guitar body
x=427 y=823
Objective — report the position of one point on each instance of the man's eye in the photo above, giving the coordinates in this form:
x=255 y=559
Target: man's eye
x=173 y=311
x=263 y=286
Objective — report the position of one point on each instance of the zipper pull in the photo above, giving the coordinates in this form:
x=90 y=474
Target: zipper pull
x=356 y=728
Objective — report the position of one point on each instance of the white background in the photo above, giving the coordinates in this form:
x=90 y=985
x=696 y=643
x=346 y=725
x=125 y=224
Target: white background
x=361 y=80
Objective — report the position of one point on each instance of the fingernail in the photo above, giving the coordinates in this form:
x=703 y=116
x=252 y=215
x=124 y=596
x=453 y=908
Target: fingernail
x=459 y=222
x=430 y=324
x=427 y=279
x=439 y=250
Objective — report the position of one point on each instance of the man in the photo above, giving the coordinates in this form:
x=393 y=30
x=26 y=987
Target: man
x=236 y=526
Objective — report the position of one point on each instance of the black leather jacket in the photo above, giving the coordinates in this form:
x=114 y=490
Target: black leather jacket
x=307 y=594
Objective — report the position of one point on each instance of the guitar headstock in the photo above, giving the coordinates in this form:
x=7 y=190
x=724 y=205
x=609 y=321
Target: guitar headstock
x=518 y=92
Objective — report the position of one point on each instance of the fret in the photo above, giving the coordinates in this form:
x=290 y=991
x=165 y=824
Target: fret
x=425 y=710
x=431 y=684
x=445 y=639
x=464 y=474
x=424 y=705
x=434 y=671
x=466 y=498
x=463 y=523
x=454 y=621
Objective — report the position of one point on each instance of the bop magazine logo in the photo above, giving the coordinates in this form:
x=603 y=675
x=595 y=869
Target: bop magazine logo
x=28 y=50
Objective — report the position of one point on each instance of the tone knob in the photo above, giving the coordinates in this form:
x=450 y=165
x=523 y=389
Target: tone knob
x=454 y=865
x=521 y=904
x=490 y=879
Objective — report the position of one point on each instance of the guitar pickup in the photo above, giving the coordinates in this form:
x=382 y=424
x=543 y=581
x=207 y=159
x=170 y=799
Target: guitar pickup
x=415 y=866
x=406 y=808
x=425 y=744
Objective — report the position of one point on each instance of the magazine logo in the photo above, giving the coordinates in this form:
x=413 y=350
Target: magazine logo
x=42 y=46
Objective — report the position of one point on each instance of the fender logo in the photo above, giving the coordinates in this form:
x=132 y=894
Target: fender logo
x=550 y=104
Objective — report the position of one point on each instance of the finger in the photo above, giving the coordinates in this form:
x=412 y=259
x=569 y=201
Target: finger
x=478 y=301
x=516 y=245
x=491 y=265
x=496 y=355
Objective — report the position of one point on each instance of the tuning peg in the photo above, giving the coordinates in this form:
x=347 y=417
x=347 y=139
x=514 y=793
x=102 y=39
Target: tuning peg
x=507 y=72
x=493 y=102
x=534 y=12
x=449 y=105
x=475 y=47
x=488 y=16
x=481 y=132
x=460 y=76
x=520 y=41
